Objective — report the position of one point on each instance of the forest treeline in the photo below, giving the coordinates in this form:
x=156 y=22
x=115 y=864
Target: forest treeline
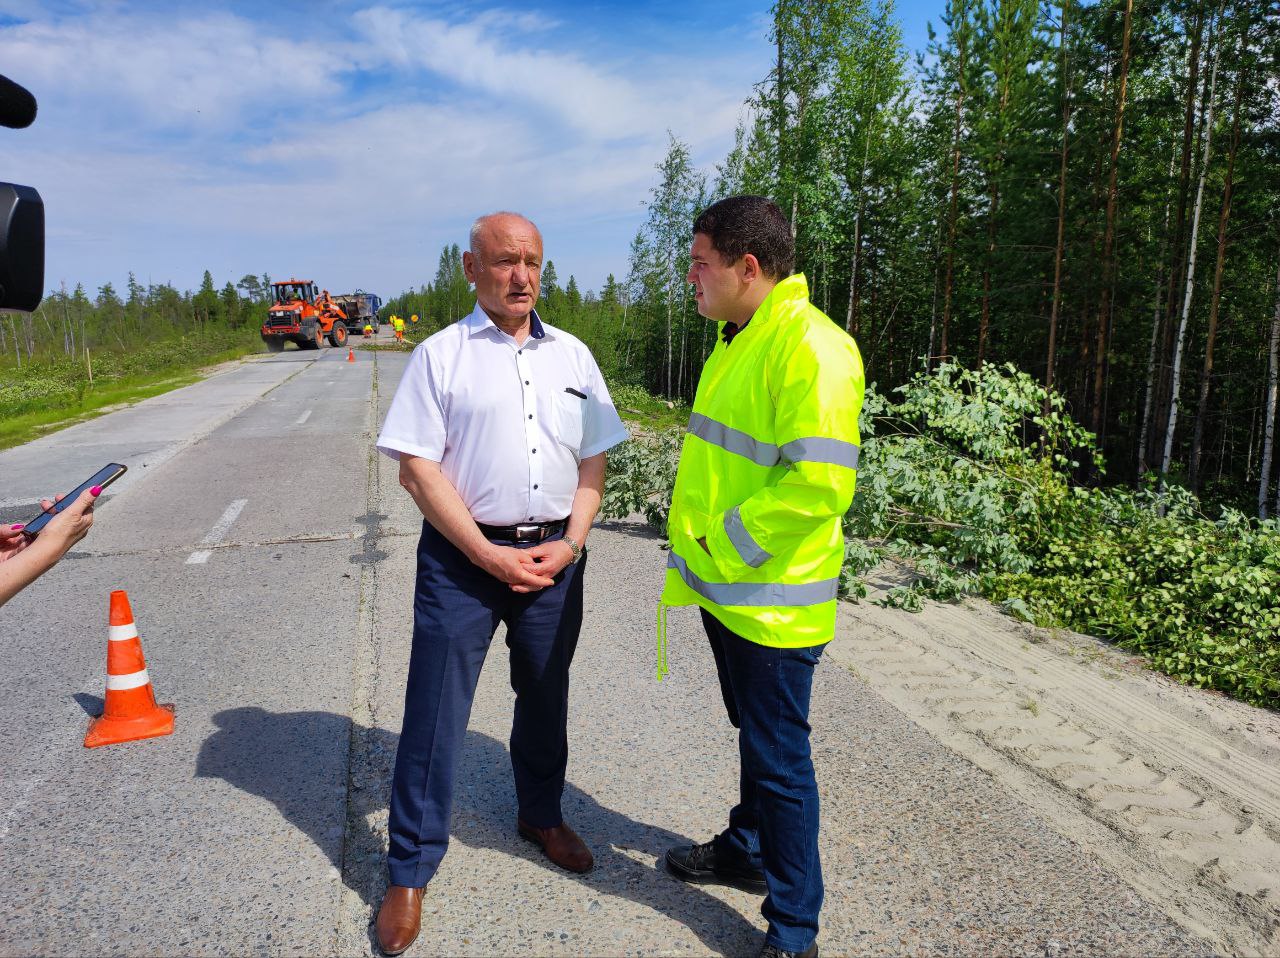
x=1089 y=191
x=67 y=323
x=602 y=320
x=77 y=352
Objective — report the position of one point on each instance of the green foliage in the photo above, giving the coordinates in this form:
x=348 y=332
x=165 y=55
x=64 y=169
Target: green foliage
x=64 y=383
x=642 y=474
x=635 y=404
x=665 y=342
x=438 y=304
x=67 y=325
x=74 y=356
x=967 y=469
x=923 y=199
x=1199 y=598
x=967 y=478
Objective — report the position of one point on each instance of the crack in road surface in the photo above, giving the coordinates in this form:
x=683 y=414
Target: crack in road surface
x=366 y=555
x=369 y=761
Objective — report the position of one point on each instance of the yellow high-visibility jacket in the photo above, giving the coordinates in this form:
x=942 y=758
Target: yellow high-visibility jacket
x=766 y=474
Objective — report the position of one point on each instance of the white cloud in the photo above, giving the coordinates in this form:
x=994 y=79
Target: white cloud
x=198 y=71
x=390 y=168
x=507 y=76
x=303 y=159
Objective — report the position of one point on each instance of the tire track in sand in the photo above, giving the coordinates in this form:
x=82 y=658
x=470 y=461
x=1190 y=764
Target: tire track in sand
x=1176 y=789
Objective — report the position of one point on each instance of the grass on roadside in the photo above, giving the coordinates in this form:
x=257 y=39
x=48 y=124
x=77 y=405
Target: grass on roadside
x=392 y=347
x=107 y=395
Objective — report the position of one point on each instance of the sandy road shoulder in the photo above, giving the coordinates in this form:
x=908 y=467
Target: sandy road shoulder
x=1176 y=789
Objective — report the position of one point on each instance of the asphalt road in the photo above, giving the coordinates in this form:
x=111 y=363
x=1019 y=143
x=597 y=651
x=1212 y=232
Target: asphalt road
x=268 y=554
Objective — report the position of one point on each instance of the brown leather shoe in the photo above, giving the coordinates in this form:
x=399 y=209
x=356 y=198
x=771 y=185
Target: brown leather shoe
x=561 y=844
x=399 y=919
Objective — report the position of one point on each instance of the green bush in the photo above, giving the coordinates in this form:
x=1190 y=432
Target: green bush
x=968 y=479
x=642 y=474
x=628 y=395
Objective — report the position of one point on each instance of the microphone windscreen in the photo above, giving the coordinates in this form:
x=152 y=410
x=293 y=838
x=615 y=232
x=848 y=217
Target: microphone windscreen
x=17 y=105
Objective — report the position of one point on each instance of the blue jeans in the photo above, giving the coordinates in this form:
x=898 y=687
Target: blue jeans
x=774 y=826
x=456 y=610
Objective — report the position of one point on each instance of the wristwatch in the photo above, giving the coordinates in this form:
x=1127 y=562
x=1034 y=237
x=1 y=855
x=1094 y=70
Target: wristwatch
x=574 y=548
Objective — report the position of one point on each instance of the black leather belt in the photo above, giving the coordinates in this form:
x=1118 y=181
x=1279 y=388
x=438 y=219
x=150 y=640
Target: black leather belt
x=525 y=532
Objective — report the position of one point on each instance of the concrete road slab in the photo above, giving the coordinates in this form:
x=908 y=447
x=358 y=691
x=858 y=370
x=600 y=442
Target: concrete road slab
x=142 y=436
x=224 y=838
x=401 y=516
x=291 y=480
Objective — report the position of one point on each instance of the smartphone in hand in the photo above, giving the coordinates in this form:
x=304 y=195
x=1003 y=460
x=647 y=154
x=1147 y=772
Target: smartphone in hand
x=103 y=477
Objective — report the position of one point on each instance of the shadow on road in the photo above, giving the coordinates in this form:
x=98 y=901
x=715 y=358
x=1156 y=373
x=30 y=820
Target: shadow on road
x=295 y=760
x=92 y=704
x=287 y=758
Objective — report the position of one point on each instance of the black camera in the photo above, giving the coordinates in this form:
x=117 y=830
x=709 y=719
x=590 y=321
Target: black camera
x=21 y=217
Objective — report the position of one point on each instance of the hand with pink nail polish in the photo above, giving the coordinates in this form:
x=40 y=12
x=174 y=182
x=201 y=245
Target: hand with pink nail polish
x=12 y=541
x=71 y=524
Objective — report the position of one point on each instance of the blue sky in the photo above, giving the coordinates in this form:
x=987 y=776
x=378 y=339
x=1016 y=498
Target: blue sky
x=348 y=141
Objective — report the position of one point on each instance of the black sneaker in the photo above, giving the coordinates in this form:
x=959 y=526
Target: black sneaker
x=697 y=863
x=773 y=951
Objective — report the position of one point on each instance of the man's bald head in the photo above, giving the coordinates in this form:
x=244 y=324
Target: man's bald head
x=505 y=264
x=485 y=226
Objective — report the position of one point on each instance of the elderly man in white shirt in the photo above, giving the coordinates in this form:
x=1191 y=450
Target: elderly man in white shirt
x=500 y=425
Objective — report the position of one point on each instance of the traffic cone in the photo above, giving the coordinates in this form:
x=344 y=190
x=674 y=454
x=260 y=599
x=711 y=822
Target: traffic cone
x=131 y=711
x=351 y=355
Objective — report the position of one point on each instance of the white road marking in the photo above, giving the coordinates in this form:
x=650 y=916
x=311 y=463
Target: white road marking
x=18 y=804
x=223 y=525
x=218 y=532
x=303 y=418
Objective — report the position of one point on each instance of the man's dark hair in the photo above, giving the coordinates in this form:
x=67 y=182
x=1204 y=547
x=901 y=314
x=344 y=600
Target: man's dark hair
x=750 y=224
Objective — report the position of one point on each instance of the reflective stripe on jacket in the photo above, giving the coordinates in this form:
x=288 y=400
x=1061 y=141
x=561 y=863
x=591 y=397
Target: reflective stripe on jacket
x=766 y=473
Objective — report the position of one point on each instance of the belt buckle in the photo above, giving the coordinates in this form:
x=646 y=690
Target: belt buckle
x=528 y=533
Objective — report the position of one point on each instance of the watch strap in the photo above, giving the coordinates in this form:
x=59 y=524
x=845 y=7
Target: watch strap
x=574 y=547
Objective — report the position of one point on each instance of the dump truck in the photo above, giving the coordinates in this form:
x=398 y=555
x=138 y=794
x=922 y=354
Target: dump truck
x=300 y=314
x=361 y=309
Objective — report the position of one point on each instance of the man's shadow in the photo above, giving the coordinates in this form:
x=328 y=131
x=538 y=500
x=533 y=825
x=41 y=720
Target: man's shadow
x=289 y=759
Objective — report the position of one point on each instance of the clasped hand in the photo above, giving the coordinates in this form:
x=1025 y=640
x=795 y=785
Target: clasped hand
x=528 y=570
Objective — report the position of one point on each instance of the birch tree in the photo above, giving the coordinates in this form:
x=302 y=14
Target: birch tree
x=1269 y=417
x=1175 y=374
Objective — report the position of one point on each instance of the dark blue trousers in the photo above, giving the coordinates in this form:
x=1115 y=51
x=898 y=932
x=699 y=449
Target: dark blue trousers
x=456 y=610
x=774 y=826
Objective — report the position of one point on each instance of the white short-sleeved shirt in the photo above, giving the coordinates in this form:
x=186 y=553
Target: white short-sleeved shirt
x=508 y=423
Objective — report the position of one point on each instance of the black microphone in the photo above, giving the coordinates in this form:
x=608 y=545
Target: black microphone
x=17 y=105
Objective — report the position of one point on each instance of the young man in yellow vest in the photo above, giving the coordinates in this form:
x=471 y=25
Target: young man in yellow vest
x=766 y=474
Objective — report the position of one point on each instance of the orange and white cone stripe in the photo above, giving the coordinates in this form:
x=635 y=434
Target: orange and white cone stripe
x=131 y=711
x=126 y=667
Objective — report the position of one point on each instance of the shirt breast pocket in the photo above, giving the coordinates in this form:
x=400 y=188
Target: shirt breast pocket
x=569 y=413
